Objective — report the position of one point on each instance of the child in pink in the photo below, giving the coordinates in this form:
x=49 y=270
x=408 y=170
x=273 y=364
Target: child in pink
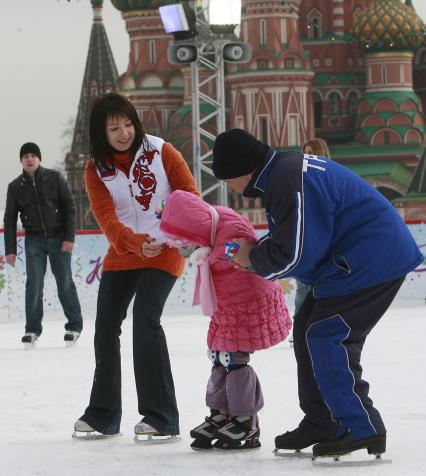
x=248 y=313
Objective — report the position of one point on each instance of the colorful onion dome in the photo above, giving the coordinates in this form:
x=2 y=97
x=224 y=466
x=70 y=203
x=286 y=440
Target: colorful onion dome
x=388 y=25
x=97 y=3
x=129 y=5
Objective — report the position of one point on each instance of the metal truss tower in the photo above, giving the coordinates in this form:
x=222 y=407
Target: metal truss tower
x=210 y=60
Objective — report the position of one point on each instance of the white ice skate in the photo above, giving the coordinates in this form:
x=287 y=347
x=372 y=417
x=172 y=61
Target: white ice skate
x=147 y=435
x=71 y=338
x=29 y=340
x=83 y=431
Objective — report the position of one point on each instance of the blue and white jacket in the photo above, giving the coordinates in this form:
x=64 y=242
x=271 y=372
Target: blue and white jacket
x=327 y=227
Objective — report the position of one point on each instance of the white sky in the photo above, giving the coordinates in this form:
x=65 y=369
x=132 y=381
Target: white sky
x=43 y=49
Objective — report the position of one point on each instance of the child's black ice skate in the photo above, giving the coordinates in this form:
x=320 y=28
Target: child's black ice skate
x=342 y=445
x=206 y=432
x=241 y=433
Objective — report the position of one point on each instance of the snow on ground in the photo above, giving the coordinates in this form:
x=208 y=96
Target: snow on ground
x=44 y=391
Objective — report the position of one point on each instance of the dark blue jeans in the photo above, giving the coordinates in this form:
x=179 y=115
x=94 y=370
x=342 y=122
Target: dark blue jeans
x=153 y=375
x=37 y=250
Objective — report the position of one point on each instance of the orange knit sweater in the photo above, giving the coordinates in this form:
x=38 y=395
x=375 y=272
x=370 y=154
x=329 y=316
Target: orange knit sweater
x=125 y=251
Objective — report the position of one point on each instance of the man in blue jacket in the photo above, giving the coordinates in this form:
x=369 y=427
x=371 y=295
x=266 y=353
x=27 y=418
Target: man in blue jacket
x=333 y=231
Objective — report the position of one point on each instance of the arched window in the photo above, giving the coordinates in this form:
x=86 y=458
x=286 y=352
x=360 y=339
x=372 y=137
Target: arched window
x=262 y=63
x=314 y=28
x=152 y=52
x=317 y=110
x=334 y=104
x=352 y=103
x=262 y=32
x=283 y=24
x=289 y=63
x=384 y=74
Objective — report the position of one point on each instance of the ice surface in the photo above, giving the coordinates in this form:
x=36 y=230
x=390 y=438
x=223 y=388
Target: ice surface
x=44 y=391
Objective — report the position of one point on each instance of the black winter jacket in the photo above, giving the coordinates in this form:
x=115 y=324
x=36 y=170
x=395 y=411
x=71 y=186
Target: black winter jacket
x=45 y=205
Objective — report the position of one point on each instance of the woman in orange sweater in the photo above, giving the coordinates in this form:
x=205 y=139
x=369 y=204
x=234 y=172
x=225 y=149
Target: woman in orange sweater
x=128 y=176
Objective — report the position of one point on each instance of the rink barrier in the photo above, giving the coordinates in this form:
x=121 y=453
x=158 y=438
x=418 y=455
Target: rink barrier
x=89 y=250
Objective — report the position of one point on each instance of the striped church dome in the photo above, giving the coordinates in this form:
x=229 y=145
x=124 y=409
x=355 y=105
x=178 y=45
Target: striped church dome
x=388 y=25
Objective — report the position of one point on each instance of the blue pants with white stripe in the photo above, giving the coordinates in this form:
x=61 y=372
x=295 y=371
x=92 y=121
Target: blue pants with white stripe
x=329 y=335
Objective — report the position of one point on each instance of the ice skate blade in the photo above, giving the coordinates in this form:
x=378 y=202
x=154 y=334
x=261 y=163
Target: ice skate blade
x=92 y=435
x=29 y=346
x=201 y=444
x=238 y=448
x=156 y=439
x=335 y=461
x=244 y=445
x=196 y=448
x=291 y=454
x=70 y=343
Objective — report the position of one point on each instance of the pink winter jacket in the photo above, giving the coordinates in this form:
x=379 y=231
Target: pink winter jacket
x=251 y=313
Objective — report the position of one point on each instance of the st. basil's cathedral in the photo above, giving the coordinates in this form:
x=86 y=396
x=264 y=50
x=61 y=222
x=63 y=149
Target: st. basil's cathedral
x=352 y=72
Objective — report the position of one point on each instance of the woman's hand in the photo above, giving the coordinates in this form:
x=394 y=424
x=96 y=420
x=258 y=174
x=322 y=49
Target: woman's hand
x=150 y=249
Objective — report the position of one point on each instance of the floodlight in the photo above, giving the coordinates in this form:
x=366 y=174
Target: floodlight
x=224 y=15
x=179 y=20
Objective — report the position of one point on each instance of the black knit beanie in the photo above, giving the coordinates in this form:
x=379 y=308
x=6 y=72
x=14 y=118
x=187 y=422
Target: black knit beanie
x=237 y=153
x=30 y=148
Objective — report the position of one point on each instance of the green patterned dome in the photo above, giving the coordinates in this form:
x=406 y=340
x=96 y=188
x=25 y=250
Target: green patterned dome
x=129 y=5
x=97 y=3
x=388 y=25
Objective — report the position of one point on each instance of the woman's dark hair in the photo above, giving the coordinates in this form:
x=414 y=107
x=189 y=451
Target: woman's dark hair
x=111 y=105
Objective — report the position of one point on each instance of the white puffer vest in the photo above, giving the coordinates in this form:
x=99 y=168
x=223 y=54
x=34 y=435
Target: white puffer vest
x=136 y=197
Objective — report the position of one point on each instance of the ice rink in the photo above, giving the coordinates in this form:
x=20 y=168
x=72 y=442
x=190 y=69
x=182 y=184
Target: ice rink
x=44 y=391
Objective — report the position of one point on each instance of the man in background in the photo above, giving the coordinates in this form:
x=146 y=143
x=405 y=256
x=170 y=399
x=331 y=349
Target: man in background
x=47 y=211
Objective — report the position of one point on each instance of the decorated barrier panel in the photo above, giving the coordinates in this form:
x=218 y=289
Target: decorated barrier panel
x=90 y=248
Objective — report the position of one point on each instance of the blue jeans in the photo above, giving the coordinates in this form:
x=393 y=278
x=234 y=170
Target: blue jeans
x=37 y=250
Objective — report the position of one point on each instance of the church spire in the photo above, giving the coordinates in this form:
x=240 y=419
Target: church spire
x=100 y=77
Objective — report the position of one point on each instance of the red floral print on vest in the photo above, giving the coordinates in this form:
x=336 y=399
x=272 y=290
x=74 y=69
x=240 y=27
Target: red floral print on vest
x=145 y=179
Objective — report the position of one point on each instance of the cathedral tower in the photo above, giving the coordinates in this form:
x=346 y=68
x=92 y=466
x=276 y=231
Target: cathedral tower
x=271 y=95
x=154 y=86
x=100 y=76
x=390 y=113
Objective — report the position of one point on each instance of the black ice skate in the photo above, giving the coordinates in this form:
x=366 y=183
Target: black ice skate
x=83 y=431
x=206 y=432
x=147 y=435
x=241 y=433
x=300 y=438
x=29 y=340
x=345 y=444
x=71 y=338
